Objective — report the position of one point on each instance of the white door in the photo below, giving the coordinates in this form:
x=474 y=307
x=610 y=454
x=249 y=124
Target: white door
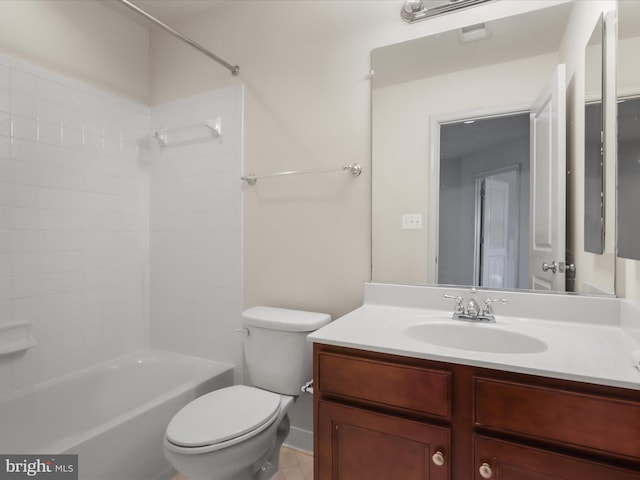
x=495 y=234
x=548 y=202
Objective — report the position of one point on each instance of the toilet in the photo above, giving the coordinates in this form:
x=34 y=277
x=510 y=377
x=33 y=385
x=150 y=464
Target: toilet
x=235 y=433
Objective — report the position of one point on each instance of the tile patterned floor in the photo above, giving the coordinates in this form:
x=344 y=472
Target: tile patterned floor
x=294 y=465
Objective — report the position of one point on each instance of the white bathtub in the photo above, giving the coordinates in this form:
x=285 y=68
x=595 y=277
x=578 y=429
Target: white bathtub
x=113 y=415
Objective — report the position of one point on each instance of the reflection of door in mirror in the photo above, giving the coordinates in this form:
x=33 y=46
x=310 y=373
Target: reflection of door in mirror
x=548 y=185
x=484 y=202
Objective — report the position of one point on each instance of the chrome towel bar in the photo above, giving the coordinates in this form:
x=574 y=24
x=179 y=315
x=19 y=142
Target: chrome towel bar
x=354 y=169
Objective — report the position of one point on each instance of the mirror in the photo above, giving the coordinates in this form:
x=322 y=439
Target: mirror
x=424 y=89
x=594 y=224
x=628 y=130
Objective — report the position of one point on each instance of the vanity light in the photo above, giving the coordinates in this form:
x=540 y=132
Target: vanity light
x=415 y=10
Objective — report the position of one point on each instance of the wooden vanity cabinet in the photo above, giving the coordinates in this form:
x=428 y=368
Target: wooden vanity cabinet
x=380 y=417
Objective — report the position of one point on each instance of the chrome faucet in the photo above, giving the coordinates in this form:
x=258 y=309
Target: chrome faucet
x=472 y=311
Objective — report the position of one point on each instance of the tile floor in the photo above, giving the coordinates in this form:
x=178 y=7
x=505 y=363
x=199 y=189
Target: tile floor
x=294 y=465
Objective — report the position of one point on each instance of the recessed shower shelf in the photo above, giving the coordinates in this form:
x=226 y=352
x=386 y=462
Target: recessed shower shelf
x=15 y=337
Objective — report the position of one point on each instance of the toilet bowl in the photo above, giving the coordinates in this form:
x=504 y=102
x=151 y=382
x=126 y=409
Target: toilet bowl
x=235 y=433
x=232 y=432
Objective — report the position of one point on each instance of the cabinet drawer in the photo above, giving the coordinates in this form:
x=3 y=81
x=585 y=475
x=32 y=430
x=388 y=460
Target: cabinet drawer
x=589 y=421
x=387 y=384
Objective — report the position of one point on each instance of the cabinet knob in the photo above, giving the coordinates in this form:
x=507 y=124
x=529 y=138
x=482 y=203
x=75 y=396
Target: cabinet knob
x=438 y=458
x=485 y=470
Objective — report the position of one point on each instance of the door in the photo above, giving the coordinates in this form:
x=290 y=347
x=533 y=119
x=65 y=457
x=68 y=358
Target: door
x=548 y=186
x=495 y=233
x=355 y=444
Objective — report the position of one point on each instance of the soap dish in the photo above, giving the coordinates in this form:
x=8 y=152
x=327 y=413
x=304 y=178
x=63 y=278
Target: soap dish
x=15 y=337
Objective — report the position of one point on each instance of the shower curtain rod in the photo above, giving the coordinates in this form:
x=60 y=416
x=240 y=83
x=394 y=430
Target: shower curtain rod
x=234 y=69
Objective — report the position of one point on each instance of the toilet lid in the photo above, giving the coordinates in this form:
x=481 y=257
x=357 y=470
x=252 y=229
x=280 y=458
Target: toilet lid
x=222 y=415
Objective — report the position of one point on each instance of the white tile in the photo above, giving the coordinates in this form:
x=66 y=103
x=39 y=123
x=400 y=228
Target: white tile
x=5 y=124
x=5 y=241
x=25 y=128
x=5 y=77
x=24 y=150
x=72 y=138
x=49 y=112
x=5 y=100
x=5 y=265
x=49 y=91
x=72 y=97
x=6 y=214
x=72 y=118
x=49 y=283
x=23 y=286
x=24 y=264
x=24 y=105
x=5 y=147
x=24 y=241
x=49 y=133
x=24 y=82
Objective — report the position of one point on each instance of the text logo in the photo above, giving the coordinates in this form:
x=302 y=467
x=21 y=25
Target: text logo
x=49 y=467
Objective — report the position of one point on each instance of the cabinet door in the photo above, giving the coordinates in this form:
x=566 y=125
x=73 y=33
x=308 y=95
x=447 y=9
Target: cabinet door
x=355 y=444
x=500 y=460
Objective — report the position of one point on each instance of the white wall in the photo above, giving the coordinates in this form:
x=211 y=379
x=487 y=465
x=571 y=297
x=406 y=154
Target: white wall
x=84 y=40
x=73 y=223
x=196 y=220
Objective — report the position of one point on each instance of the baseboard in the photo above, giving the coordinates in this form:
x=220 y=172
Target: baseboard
x=300 y=439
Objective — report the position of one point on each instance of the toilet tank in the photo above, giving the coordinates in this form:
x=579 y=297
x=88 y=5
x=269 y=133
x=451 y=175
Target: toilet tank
x=278 y=356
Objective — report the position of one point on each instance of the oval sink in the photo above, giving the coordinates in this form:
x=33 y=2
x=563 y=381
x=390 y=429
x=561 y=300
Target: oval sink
x=477 y=338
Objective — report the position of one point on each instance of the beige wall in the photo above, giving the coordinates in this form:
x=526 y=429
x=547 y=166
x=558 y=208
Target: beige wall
x=305 y=68
x=80 y=39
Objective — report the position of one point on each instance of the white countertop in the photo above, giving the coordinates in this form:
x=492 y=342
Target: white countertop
x=586 y=352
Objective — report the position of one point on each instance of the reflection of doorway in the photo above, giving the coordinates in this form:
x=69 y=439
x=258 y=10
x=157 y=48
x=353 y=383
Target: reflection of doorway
x=496 y=255
x=494 y=152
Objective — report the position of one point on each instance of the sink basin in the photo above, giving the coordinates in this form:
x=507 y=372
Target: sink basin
x=476 y=338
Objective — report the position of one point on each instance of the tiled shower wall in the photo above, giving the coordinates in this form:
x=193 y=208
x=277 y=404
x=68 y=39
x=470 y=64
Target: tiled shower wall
x=73 y=223
x=196 y=228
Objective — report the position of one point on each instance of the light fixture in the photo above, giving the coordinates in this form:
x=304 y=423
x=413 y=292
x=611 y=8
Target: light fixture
x=416 y=10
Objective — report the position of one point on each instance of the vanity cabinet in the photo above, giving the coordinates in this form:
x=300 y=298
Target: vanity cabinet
x=382 y=416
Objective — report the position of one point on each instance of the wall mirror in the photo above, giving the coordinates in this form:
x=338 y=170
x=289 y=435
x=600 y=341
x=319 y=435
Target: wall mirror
x=628 y=130
x=594 y=211
x=451 y=143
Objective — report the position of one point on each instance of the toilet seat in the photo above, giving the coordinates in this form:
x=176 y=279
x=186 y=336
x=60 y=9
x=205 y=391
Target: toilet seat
x=223 y=415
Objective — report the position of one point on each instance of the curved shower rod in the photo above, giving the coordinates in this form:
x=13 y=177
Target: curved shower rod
x=234 y=69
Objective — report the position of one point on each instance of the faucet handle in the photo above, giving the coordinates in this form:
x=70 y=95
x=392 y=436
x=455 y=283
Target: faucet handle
x=459 y=308
x=488 y=309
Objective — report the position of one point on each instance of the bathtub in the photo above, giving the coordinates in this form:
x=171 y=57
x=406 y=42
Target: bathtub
x=113 y=415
